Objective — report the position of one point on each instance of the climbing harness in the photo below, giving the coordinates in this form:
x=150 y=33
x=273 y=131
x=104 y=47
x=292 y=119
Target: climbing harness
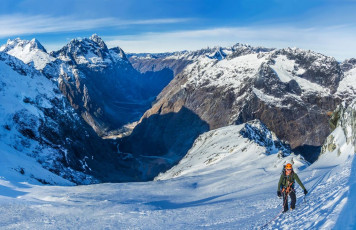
x=288 y=189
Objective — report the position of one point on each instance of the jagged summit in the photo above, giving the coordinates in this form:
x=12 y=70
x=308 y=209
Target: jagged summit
x=25 y=44
x=90 y=51
x=98 y=40
x=28 y=52
x=120 y=52
x=35 y=44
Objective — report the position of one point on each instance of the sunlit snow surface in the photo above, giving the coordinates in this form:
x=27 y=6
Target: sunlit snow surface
x=237 y=190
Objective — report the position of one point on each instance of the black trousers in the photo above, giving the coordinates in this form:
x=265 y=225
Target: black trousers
x=285 y=200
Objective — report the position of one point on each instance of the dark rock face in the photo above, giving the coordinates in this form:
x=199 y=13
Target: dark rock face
x=257 y=132
x=81 y=148
x=290 y=123
x=101 y=84
x=168 y=135
x=320 y=69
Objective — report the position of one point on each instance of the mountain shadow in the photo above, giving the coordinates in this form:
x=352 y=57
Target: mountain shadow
x=165 y=136
x=309 y=152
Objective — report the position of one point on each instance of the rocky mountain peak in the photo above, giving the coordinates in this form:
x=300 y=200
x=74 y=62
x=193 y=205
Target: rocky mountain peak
x=35 y=44
x=218 y=53
x=95 y=38
x=30 y=52
x=18 y=43
x=119 y=52
x=88 y=51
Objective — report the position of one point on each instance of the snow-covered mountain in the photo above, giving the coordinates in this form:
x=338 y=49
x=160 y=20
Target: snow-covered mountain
x=103 y=86
x=291 y=90
x=30 y=52
x=226 y=178
x=100 y=83
x=39 y=128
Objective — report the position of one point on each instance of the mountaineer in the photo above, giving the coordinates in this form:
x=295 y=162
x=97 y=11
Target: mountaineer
x=286 y=186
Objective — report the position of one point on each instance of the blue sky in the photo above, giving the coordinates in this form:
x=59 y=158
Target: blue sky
x=327 y=26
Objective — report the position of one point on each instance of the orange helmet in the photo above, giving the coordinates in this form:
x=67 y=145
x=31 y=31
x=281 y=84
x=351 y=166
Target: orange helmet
x=288 y=166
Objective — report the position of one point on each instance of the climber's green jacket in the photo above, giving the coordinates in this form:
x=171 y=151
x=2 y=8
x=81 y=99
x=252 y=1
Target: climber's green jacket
x=285 y=180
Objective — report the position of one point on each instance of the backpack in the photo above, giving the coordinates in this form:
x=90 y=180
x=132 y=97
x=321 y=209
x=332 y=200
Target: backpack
x=283 y=170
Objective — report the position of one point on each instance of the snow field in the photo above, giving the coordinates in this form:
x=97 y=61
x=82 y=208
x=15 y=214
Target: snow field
x=225 y=194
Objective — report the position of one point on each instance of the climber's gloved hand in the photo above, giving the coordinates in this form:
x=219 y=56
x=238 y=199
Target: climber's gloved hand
x=279 y=194
x=305 y=192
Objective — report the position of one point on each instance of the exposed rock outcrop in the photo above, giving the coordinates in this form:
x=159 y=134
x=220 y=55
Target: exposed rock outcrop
x=343 y=138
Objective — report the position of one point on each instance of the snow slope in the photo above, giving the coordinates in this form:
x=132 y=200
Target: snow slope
x=226 y=199
x=24 y=96
x=238 y=146
x=222 y=193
